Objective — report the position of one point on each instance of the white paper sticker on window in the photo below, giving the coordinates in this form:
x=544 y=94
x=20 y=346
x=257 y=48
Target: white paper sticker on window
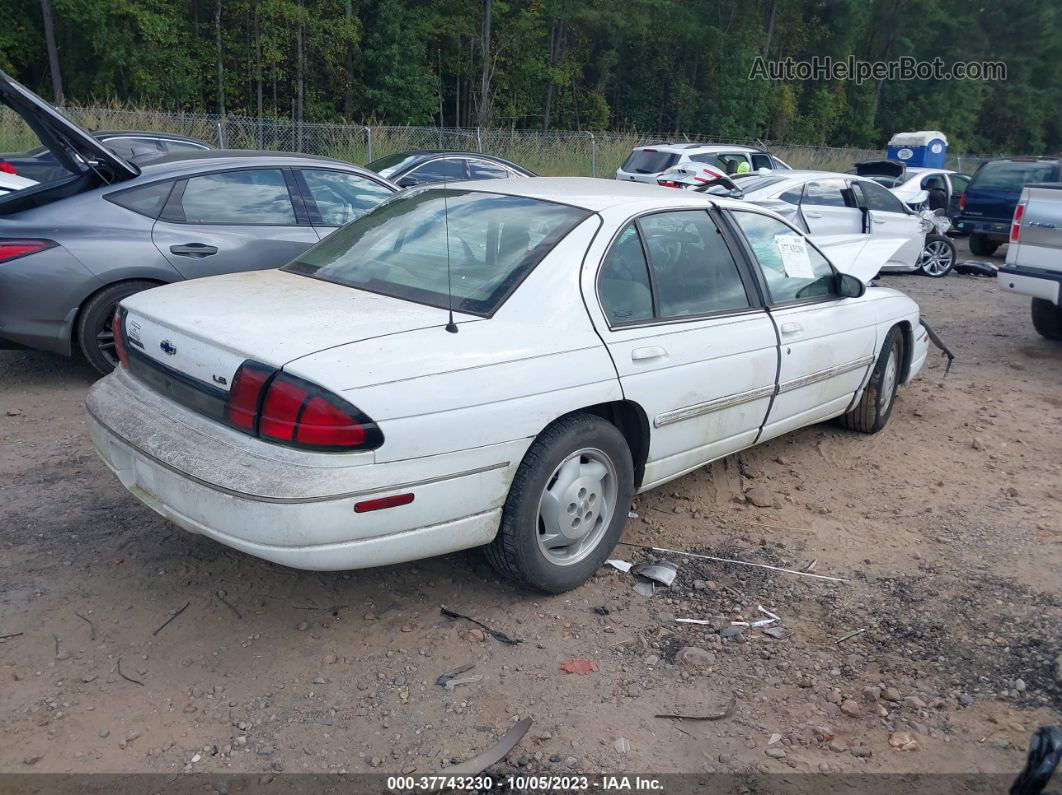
x=795 y=257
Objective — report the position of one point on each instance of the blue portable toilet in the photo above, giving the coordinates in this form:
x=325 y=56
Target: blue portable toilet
x=924 y=149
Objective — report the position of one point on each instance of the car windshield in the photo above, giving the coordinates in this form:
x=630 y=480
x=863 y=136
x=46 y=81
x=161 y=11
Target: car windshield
x=1013 y=175
x=649 y=161
x=428 y=245
x=390 y=164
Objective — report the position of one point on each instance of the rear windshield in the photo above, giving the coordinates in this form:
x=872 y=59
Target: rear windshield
x=403 y=246
x=649 y=161
x=1013 y=175
x=390 y=164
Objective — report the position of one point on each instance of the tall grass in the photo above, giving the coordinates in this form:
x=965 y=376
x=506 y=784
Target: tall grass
x=554 y=153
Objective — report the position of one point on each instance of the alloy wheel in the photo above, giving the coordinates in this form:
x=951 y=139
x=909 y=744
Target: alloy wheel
x=577 y=506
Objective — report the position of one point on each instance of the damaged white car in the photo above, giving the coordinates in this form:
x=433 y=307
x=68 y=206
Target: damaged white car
x=604 y=339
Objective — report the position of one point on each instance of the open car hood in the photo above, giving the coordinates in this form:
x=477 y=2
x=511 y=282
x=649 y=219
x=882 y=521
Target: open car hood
x=880 y=168
x=76 y=149
x=858 y=255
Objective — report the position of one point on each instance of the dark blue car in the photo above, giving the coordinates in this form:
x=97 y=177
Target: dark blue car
x=987 y=207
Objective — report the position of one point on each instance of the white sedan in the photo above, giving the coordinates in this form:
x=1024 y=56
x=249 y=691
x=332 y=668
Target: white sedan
x=606 y=338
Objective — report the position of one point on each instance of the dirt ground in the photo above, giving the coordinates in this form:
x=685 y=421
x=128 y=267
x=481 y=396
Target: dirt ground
x=946 y=526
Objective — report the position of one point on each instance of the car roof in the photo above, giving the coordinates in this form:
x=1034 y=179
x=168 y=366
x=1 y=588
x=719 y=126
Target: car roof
x=176 y=163
x=692 y=148
x=591 y=193
x=427 y=154
x=150 y=134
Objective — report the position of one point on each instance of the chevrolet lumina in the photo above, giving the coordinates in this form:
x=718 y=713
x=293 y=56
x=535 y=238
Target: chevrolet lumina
x=605 y=338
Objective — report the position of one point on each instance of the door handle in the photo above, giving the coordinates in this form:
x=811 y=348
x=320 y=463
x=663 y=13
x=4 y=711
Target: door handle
x=194 y=250
x=792 y=328
x=652 y=352
x=1042 y=224
x=813 y=215
x=878 y=220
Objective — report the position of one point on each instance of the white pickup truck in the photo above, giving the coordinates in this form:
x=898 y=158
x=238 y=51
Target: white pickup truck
x=1034 y=255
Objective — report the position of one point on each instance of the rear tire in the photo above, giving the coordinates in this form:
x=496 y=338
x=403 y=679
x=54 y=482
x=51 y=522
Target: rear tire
x=567 y=505
x=1047 y=319
x=874 y=408
x=981 y=246
x=94 y=333
x=938 y=256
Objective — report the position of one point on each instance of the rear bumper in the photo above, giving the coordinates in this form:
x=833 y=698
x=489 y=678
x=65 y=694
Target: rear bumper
x=1039 y=284
x=993 y=228
x=289 y=506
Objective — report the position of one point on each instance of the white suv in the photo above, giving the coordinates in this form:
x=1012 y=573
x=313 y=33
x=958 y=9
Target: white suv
x=646 y=163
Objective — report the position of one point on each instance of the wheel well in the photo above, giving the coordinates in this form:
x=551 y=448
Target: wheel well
x=630 y=418
x=81 y=307
x=907 y=349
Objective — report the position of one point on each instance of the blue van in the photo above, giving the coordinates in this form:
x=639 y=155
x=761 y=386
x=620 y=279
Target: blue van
x=987 y=207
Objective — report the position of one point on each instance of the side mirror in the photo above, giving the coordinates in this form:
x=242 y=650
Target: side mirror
x=406 y=182
x=849 y=286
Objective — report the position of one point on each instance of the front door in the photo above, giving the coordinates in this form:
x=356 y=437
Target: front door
x=827 y=342
x=689 y=337
x=890 y=218
x=231 y=221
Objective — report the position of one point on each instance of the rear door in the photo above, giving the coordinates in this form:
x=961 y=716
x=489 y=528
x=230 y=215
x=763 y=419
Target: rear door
x=335 y=197
x=827 y=342
x=239 y=220
x=690 y=339
x=959 y=183
x=828 y=208
x=889 y=218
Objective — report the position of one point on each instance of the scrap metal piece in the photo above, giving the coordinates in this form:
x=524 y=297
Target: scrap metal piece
x=778 y=633
x=622 y=565
x=494 y=633
x=467 y=680
x=663 y=572
x=849 y=636
x=936 y=340
x=647 y=588
x=445 y=678
x=492 y=755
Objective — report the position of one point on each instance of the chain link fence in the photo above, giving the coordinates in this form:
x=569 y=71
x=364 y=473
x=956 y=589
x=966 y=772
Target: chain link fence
x=551 y=153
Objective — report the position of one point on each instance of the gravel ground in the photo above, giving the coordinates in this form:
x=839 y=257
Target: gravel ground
x=945 y=525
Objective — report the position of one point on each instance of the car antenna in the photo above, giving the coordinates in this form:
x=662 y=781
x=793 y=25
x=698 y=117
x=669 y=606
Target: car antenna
x=450 y=325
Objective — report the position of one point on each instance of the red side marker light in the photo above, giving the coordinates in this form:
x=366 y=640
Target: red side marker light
x=383 y=502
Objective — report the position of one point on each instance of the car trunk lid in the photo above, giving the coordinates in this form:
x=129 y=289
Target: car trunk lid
x=880 y=168
x=194 y=335
x=75 y=149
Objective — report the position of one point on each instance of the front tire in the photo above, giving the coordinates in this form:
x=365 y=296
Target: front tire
x=874 y=408
x=1047 y=319
x=94 y=333
x=938 y=257
x=981 y=246
x=567 y=505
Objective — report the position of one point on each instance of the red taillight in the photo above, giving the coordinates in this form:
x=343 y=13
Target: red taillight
x=1015 y=227
x=244 y=394
x=13 y=249
x=295 y=412
x=962 y=202
x=7 y=168
x=118 y=329
x=667 y=183
x=280 y=412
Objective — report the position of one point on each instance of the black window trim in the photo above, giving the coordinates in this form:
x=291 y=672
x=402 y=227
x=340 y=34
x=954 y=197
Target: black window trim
x=761 y=280
x=162 y=207
x=178 y=193
x=748 y=280
x=313 y=212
